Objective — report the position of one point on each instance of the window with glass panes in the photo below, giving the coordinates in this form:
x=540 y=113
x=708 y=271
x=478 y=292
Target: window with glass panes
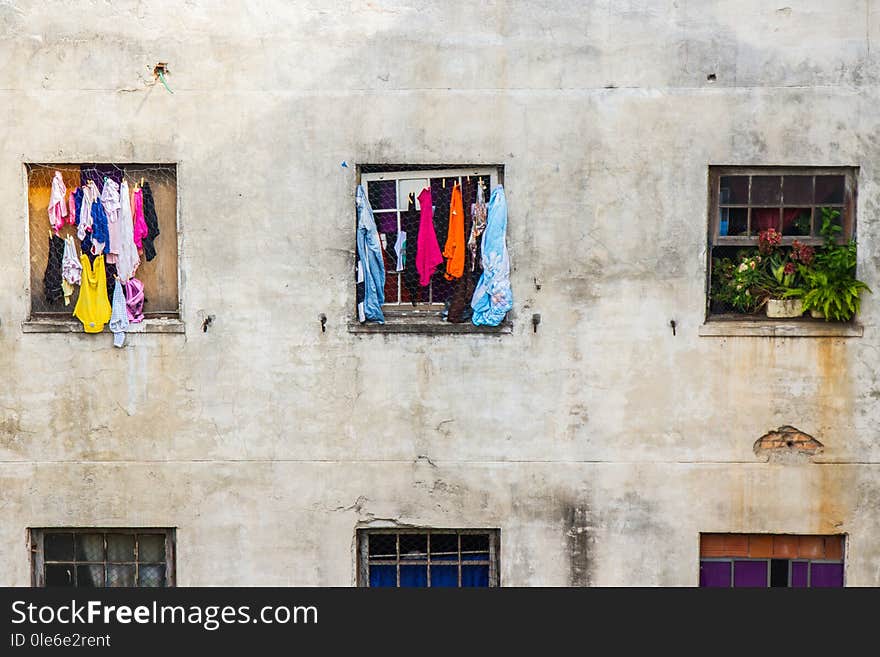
x=103 y=557
x=428 y=558
x=744 y=201
x=394 y=198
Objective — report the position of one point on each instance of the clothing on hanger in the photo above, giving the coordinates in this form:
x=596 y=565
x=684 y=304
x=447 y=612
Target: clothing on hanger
x=128 y=259
x=118 y=315
x=52 y=288
x=111 y=203
x=493 y=297
x=152 y=221
x=57 y=202
x=428 y=255
x=93 y=307
x=455 y=245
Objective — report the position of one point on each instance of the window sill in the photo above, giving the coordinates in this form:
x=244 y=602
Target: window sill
x=792 y=328
x=163 y=325
x=425 y=323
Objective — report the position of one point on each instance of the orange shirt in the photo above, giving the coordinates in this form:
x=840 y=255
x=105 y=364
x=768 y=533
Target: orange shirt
x=455 y=244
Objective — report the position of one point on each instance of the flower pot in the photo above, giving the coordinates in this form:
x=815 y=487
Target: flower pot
x=785 y=308
x=815 y=313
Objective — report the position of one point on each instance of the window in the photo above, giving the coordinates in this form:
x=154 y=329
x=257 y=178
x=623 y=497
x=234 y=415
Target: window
x=752 y=207
x=766 y=560
x=157 y=271
x=395 y=193
x=435 y=558
x=103 y=557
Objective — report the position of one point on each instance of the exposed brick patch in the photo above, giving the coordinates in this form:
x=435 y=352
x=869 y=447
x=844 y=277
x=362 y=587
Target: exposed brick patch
x=787 y=444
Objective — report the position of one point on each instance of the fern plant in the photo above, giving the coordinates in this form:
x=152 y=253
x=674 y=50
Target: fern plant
x=830 y=285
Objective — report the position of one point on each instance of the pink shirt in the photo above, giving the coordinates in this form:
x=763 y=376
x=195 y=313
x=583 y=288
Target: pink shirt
x=428 y=254
x=140 y=224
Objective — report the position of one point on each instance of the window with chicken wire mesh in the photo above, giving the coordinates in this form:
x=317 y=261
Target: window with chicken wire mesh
x=63 y=202
x=781 y=210
x=88 y=558
x=428 y=558
x=396 y=194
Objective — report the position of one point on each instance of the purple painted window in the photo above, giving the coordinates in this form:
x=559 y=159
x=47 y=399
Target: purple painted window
x=715 y=574
x=798 y=574
x=826 y=575
x=750 y=574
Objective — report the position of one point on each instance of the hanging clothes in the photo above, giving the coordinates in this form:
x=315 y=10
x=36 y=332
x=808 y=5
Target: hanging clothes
x=455 y=244
x=463 y=288
x=71 y=269
x=100 y=238
x=111 y=204
x=137 y=210
x=77 y=196
x=71 y=207
x=128 y=259
x=478 y=217
x=52 y=288
x=152 y=221
x=90 y=194
x=134 y=300
x=57 y=202
x=93 y=307
x=493 y=297
x=118 y=315
x=428 y=254
x=409 y=223
x=370 y=256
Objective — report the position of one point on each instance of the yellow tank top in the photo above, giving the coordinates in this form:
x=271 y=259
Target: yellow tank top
x=93 y=307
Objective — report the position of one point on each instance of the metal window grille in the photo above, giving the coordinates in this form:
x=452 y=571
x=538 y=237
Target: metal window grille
x=743 y=201
x=114 y=557
x=159 y=275
x=428 y=558
x=394 y=197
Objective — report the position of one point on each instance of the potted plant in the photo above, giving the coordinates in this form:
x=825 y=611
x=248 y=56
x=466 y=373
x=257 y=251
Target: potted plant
x=829 y=283
x=783 y=275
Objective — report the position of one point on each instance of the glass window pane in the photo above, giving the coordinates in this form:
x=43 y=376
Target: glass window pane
x=799 y=574
x=475 y=576
x=444 y=546
x=120 y=575
x=750 y=573
x=382 y=546
x=829 y=189
x=737 y=221
x=715 y=574
x=413 y=576
x=797 y=190
x=120 y=547
x=59 y=574
x=58 y=547
x=444 y=576
x=383 y=576
x=766 y=190
x=382 y=194
x=412 y=186
x=151 y=576
x=474 y=542
x=90 y=547
x=413 y=546
x=386 y=222
x=89 y=576
x=796 y=221
x=764 y=218
x=151 y=547
x=826 y=575
x=734 y=189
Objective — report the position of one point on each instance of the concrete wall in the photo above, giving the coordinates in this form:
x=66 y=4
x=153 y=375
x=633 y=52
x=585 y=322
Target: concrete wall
x=600 y=446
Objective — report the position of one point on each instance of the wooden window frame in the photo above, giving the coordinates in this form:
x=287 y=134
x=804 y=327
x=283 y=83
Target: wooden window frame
x=363 y=557
x=847 y=207
x=36 y=542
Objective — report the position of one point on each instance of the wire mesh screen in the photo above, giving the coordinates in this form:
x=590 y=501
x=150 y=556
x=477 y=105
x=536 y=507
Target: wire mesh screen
x=434 y=212
x=91 y=558
x=50 y=226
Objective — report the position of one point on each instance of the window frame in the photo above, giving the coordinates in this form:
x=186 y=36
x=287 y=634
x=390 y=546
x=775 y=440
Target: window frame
x=36 y=547
x=849 y=204
x=363 y=557
x=401 y=172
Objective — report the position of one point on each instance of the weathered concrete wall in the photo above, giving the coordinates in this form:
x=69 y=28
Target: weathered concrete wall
x=600 y=445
